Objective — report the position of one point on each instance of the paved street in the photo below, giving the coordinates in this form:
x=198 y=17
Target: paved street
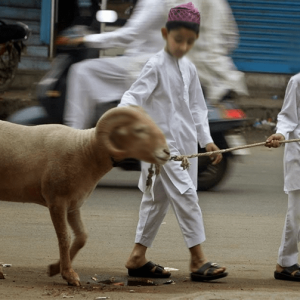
x=243 y=218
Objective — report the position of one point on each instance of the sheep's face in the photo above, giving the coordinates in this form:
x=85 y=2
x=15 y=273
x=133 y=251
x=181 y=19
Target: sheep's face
x=129 y=132
x=142 y=140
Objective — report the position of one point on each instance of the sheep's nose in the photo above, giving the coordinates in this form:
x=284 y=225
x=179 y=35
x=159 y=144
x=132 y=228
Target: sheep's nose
x=162 y=155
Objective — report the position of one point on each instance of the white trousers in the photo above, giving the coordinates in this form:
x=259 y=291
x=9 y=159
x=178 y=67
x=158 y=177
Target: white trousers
x=153 y=211
x=288 y=250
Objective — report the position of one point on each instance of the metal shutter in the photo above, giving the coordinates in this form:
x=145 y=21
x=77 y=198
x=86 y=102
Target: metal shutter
x=269 y=35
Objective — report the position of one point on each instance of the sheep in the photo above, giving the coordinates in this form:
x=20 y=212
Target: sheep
x=58 y=167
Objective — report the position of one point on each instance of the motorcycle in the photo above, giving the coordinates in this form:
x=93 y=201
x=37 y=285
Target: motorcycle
x=12 y=37
x=225 y=119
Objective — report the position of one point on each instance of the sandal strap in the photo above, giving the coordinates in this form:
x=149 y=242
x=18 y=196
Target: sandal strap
x=291 y=269
x=159 y=269
x=150 y=265
x=209 y=267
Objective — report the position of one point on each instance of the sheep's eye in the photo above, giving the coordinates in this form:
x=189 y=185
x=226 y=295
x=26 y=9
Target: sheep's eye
x=141 y=129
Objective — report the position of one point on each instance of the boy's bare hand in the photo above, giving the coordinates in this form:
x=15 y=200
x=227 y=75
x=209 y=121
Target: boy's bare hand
x=273 y=140
x=216 y=158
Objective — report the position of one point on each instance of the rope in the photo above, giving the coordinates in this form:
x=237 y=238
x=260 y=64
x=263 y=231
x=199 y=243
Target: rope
x=185 y=162
x=151 y=173
x=184 y=158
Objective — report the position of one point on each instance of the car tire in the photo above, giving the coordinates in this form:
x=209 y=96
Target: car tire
x=210 y=175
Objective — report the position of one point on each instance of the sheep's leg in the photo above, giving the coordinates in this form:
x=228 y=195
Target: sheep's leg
x=74 y=219
x=59 y=216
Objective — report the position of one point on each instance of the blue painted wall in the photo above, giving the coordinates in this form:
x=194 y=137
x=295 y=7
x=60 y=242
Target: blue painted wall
x=45 y=21
x=269 y=35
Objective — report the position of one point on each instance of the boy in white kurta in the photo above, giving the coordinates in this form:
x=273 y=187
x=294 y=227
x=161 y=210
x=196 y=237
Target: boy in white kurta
x=169 y=90
x=288 y=127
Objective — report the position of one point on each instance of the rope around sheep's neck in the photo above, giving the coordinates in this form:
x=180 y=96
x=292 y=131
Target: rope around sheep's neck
x=185 y=162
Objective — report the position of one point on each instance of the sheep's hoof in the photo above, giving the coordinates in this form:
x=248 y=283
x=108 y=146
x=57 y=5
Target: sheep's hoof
x=72 y=278
x=53 y=269
x=74 y=283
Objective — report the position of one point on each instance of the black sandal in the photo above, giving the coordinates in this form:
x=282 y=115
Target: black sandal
x=145 y=271
x=205 y=273
x=286 y=273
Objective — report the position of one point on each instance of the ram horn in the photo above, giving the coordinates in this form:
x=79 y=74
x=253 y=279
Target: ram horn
x=112 y=119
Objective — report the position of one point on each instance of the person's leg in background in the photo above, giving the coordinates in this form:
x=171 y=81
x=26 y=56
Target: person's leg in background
x=287 y=267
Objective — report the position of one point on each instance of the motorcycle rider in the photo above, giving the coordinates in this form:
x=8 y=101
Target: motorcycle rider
x=106 y=79
x=211 y=54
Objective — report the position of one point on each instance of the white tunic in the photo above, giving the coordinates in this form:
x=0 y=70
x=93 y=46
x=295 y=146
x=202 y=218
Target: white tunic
x=170 y=92
x=288 y=125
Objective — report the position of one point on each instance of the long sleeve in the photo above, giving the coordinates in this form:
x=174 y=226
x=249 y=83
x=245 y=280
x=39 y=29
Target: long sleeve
x=288 y=116
x=199 y=111
x=144 y=15
x=140 y=91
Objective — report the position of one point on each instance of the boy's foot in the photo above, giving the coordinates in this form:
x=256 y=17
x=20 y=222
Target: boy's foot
x=291 y=273
x=149 y=270
x=208 y=271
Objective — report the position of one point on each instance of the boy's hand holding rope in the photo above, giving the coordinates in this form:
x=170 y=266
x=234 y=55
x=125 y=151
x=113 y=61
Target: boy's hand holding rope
x=278 y=139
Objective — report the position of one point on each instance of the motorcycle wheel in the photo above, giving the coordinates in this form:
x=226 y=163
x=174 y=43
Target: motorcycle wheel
x=210 y=175
x=9 y=60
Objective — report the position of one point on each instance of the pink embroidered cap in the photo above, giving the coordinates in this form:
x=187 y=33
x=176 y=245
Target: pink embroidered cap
x=184 y=13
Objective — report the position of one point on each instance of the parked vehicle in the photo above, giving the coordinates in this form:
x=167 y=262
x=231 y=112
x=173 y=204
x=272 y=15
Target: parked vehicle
x=225 y=119
x=12 y=37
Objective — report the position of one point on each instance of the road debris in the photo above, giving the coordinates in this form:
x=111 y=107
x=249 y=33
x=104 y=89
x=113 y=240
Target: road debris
x=101 y=298
x=2 y=276
x=169 y=282
x=6 y=265
x=66 y=296
x=108 y=281
x=118 y=283
x=170 y=269
x=140 y=282
x=2 y=265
